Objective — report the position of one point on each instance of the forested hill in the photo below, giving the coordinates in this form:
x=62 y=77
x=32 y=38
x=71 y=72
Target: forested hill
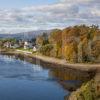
x=75 y=44
x=24 y=35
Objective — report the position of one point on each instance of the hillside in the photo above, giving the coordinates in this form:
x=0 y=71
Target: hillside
x=24 y=35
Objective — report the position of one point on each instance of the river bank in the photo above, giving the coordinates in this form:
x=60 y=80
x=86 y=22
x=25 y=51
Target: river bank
x=77 y=66
x=82 y=71
x=88 y=91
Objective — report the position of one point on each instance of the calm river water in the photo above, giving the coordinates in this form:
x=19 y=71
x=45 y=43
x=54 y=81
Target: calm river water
x=20 y=80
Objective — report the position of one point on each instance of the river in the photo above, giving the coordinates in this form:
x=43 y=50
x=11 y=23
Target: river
x=21 y=80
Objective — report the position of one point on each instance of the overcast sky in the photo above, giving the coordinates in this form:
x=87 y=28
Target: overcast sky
x=26 y=15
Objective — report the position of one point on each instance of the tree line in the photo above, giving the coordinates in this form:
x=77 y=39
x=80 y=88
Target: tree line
x=75 y=44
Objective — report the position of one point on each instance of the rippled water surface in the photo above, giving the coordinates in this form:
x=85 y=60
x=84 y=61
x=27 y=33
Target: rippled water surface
x=20 y=80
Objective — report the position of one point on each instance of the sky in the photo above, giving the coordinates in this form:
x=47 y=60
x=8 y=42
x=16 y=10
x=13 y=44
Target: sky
x=27 y=15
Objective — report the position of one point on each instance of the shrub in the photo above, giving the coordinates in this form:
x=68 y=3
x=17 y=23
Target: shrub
x=46 y=49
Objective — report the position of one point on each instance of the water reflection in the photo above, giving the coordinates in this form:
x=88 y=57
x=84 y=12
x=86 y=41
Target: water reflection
x=34 y=80
x=66 y=77
x=68 y=74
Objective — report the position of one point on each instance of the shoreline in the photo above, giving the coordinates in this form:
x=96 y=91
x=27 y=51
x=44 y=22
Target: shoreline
x=61 y=62
x=84 y=70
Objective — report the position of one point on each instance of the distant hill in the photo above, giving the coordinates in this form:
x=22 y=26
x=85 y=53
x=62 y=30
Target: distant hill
x=25 y=35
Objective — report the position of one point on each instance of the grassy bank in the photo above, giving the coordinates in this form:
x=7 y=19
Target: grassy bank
x=88 y=91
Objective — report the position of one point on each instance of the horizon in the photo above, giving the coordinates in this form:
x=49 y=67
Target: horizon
x=11 y=33
x=27 y=15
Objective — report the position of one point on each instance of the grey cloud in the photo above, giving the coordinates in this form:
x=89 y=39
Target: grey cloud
x=61 y=14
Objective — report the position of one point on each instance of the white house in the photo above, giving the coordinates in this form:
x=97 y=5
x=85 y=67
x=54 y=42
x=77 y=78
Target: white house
x=34 y=49
x=27 y=45
x=15 y=46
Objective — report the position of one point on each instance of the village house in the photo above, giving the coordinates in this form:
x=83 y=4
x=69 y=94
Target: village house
x=25 y=45
x=28 y=45
x=7 y=44
x=14 y=46
x=34 y=49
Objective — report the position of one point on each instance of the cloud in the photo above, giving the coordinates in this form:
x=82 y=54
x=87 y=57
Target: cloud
x=61 y=14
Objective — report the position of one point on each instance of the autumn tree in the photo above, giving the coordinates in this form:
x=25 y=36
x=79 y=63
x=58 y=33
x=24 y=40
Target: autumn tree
x=55 y=38
x=75 y=44
x=39 y=40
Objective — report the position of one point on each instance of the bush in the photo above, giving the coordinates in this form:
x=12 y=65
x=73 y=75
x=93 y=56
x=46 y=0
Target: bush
x=46 y=49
